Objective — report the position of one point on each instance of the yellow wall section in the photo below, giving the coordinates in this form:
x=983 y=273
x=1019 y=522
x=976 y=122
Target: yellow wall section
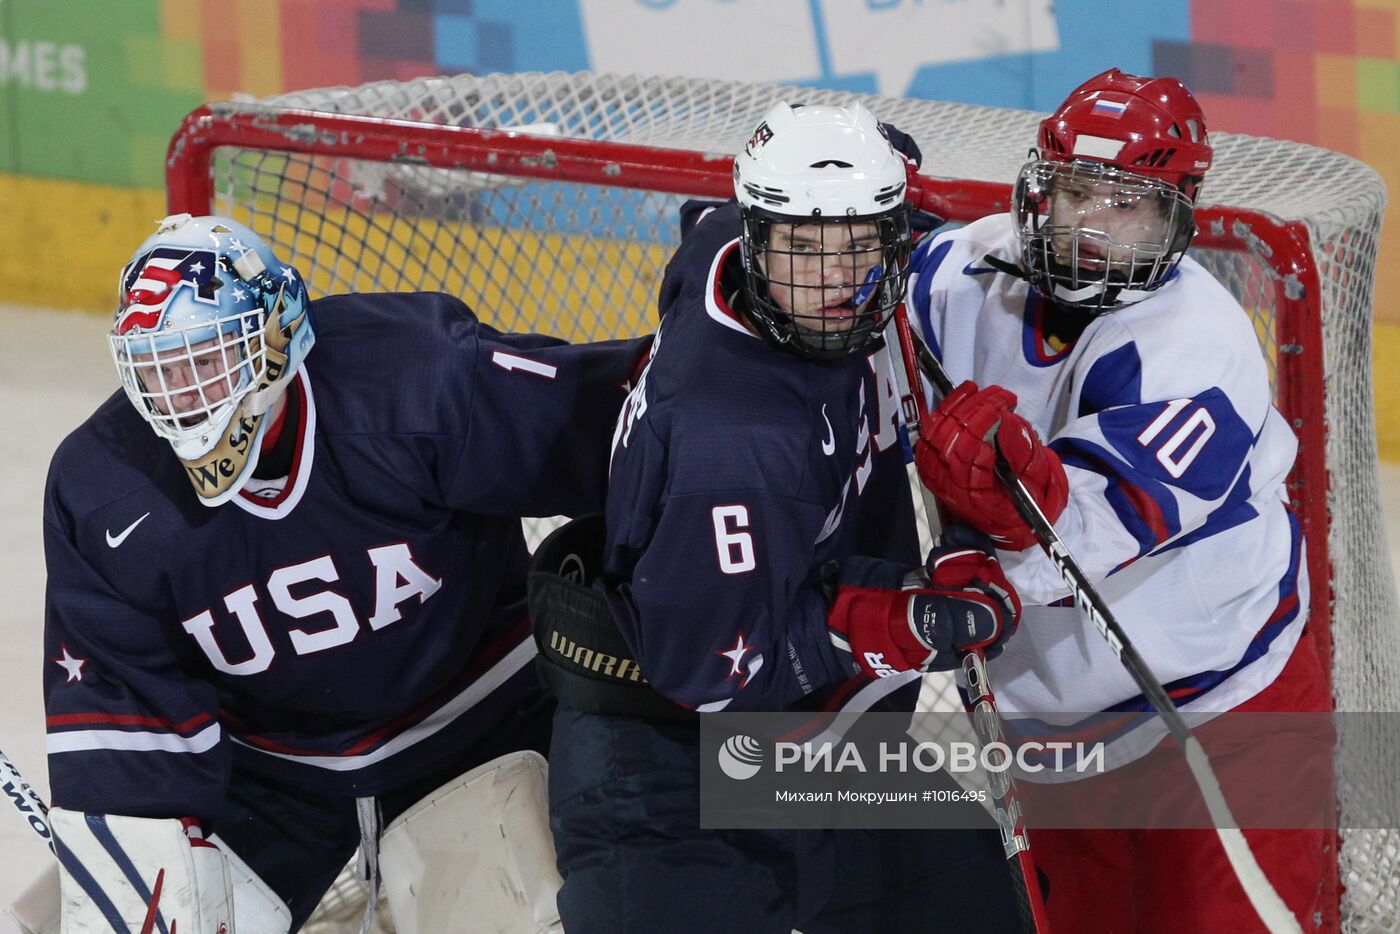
x=572 y=286
x=69 y=240
x=1385 y=355
x=78 y=236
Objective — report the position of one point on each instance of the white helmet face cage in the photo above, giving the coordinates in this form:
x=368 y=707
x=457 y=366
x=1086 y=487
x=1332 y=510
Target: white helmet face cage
x=824 y=289
x=825 y=227
x=1097 y=237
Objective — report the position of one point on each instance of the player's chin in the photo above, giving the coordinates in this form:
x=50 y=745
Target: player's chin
x=827 y=325
x=834 y=317
x=1089 y=268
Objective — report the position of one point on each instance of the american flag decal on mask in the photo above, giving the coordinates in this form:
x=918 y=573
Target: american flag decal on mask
x=150 y=282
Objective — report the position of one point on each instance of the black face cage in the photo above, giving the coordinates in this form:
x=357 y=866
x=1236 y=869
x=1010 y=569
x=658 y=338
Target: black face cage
x=841 y=297
x=1098 y=273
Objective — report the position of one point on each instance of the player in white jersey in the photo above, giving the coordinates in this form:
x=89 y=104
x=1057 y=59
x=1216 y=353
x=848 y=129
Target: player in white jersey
x=1162 y=467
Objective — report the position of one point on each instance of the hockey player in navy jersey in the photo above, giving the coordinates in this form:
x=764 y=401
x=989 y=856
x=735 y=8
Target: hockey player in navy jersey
x=1126 y=387
x=311 y=613
x=756 y=457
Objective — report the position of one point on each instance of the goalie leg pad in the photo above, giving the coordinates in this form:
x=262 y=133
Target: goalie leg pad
x=256 y=908
x=136 y=873
x=477 y=848
x=144 y=874
x=36 y=909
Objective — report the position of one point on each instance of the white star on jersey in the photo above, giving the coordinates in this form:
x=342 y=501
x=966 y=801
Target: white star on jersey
x=74 y=666
x=736 y=656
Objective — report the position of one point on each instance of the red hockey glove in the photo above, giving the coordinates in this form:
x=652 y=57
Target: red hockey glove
x=886 y=618
x=957 y=462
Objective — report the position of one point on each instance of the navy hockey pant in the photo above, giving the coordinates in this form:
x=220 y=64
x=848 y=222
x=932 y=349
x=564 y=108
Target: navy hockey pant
x=624 y=809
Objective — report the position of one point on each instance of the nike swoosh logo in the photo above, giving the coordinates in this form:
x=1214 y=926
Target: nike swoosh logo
x=114 y=540
x=829 y=445
x=971 y=270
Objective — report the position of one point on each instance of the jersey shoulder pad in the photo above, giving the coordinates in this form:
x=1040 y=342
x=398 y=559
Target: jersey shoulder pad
x=1187 y=338
x=422 y=344
x=696 y=210
x=952 y=255
x=111 y=455
x=691 y=268
x=392 y=320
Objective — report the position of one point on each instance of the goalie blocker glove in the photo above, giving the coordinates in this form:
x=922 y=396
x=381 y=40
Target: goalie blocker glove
x=885 y=618
x=957 y=457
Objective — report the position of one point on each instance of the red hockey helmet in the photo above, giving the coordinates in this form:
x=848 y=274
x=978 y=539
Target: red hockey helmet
x=1147 y=126
x=1105 y=207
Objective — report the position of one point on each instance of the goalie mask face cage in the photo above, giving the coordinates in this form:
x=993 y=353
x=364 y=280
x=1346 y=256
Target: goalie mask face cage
x=188 y=380
x=823 y=289
x=209 y=329
x=1096 y=237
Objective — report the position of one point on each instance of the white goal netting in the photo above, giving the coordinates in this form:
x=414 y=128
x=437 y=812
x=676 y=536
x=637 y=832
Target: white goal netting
x=1291 y=229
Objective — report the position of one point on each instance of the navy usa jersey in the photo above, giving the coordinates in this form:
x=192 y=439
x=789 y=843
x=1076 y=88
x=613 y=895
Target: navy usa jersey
x=347 y=628
x=738 y=471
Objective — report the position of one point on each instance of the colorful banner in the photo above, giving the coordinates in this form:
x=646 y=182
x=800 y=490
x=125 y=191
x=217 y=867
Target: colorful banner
x=95 y=89
x=91 y=91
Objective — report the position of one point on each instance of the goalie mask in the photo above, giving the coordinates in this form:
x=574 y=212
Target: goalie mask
x=209 y=330
x=1105 y=209
x=825 y=236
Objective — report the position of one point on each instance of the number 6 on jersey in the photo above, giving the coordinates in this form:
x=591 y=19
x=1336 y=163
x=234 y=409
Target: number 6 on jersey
x=733 y=542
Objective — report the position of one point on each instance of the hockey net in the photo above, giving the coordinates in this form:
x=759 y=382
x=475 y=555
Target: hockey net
x=540 y=229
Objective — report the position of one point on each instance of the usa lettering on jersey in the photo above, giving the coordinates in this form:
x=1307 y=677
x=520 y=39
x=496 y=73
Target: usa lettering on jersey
x=397 y=579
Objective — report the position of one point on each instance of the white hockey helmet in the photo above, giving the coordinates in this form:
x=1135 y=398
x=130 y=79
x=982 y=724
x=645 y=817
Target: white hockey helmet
x=209 y=328
x=833 y=167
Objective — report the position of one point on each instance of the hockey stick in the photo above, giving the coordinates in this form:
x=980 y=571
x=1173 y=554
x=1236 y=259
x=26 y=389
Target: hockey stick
x=1266 y=902
x=26 y=800
x=982 y=701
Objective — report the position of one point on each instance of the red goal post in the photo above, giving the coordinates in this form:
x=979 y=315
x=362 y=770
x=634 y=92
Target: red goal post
x=547 y=201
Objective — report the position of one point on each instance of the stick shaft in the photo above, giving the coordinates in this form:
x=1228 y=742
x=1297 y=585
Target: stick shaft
x=982 y=701
x=26 y=800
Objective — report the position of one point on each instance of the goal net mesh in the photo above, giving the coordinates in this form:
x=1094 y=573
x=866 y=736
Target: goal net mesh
x=584 y=262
